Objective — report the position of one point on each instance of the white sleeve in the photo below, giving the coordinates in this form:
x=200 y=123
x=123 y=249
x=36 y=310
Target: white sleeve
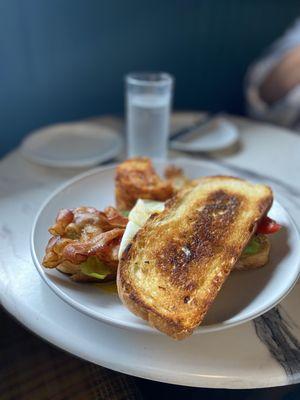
x=286 y=111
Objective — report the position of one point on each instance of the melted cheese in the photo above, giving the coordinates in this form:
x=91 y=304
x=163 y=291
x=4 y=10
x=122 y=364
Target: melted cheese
x=137 y=218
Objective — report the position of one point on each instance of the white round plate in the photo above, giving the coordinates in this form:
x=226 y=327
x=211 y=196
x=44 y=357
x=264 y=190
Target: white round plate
x=72 y=145
x=244 y=296
x=217 y=134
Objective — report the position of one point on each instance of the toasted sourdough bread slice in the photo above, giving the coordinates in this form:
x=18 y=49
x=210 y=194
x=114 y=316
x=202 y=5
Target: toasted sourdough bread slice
x=173 y=269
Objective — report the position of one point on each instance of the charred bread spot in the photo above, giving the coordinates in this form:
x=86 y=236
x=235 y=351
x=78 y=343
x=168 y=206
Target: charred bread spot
x=252 y=227
x=152 y=216
x=190 y=286
x=205 y=234
x=126 y=251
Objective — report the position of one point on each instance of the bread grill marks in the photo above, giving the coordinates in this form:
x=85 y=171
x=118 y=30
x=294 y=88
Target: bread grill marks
x=190 y=248
x=206 y=232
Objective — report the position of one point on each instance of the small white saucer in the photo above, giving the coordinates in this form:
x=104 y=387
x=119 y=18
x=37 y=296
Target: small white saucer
x=217 y=134
x=72 y=145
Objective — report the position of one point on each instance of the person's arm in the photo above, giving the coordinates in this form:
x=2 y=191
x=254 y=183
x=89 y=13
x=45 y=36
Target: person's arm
x=272 y=85
x=282 y=78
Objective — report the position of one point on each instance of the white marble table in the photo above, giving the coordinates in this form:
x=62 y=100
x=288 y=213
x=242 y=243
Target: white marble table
x=269 y=346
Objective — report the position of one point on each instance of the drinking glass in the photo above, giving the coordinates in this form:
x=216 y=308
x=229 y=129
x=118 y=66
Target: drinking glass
x=148 y=105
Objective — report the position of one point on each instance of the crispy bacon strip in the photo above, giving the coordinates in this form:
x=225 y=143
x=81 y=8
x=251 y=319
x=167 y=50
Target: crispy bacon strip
x=54 y=249
x=71 y=222
x=101 y=245
x=63 y=219
x=83 y=232
x=114 y=218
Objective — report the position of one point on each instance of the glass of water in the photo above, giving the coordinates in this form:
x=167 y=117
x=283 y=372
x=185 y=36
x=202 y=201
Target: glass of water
x=148 y=105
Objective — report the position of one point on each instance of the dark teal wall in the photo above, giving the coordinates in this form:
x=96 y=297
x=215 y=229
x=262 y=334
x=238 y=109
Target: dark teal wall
x=65 y=59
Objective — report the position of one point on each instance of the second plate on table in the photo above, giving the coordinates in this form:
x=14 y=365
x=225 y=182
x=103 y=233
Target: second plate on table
x=244 y=296
x=72 y=145
x=207 y=133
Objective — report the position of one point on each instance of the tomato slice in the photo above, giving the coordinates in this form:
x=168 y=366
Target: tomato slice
x=267 y=226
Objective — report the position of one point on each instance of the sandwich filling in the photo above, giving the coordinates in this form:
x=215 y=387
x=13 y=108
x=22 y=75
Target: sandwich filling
x=87 y=243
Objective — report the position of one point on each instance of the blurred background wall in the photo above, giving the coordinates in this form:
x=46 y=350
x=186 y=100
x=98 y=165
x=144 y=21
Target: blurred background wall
x=65 y=59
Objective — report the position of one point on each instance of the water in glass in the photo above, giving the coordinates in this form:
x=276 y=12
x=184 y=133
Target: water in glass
x=148 y=124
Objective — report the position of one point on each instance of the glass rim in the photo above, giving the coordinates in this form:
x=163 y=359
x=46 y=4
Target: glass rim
x=149 y=78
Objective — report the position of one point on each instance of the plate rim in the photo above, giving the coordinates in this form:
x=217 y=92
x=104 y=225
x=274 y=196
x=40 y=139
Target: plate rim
x=108 y=155
x=132 y=325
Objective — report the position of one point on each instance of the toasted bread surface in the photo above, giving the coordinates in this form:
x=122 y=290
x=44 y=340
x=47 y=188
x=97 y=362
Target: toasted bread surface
x=173 y=269
x=136 y=178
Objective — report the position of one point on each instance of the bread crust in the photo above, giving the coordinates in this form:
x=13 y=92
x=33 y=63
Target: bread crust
x=171 y=272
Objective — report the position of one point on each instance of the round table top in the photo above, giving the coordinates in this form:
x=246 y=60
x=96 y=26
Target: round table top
x=270 y=344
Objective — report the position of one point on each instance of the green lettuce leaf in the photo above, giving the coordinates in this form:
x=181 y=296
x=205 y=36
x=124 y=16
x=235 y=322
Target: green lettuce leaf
x=253 y=247
x=95 y=268
x=125 y=213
